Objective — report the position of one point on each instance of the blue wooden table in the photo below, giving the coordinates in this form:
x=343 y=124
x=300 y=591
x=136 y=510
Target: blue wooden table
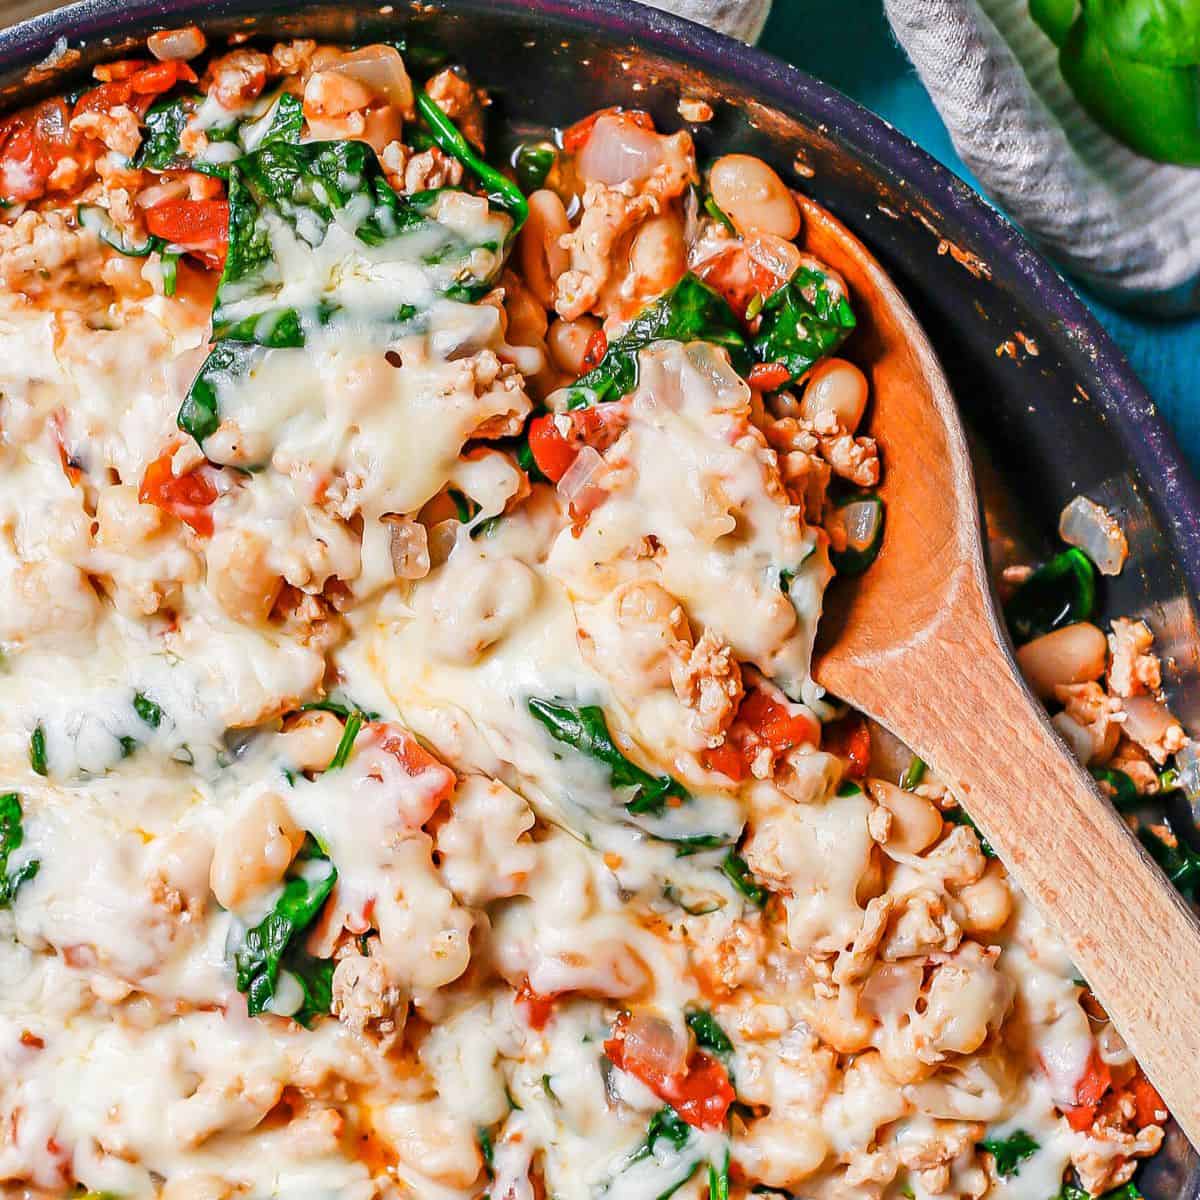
x=849 y=45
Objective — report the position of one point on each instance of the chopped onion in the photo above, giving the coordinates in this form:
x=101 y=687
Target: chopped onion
x=443 y=537
x=409 y=547
x=1094 y=530
x=619 y=152
x=159 y=193
x=381 y=69
x=176 y=44
x=780 y=258
x=1187 y=761
x=1111 y=1046
x=892 y=990
x=1146 y=721
x=580 y=474
x=657 y=1047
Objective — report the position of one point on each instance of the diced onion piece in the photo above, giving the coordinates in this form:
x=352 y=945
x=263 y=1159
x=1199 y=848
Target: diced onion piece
x=1146 y=721
x=1187 y=761
x=1111 y=1046
x=289 y=996
x=176 y=44
x=861 y=518
x=583 y=471
x=409 y=547
x=1094 y=530
x=618 y=151
x=380 y=69
x=654 y=1047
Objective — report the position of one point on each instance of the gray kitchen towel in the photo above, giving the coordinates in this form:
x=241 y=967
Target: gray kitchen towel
x=743 y=19
x=1128 y=227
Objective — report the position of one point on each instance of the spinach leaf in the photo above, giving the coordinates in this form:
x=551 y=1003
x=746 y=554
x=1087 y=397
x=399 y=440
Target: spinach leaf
x=718 y=1180
x=199 y=412
x=1124 y=793
x=1164 y=33
x=287 y=120
x=1179 y=862
x=690 y=311
x=913 y=774
x=1060 y=592
x=585 y=729
x=802 y=322
x=341 y=756
x=37 y=751
x=532 y=162
x=709 y=1034
x=164 y=122
x=147 y=710
x=665 y=1125
x=11 y=837
x=315 y=977
x=501 y=190
x=273 y=944
x=1129 y=1191
x=959 y=816
x=737 y=871
x=1010 y=1152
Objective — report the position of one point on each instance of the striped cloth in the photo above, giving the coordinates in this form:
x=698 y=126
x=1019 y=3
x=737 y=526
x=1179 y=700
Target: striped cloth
x=1126 y=226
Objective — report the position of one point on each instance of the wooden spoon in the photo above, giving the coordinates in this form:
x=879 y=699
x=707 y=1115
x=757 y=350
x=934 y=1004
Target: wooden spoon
x=916 y=644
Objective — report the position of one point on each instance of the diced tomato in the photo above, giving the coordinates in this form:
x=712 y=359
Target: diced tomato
x=161 y=77
x=576 y=135
x=1148 y=1104
x=774 y=723
x=416 y=761
x=539 y=1008
x=201 y=227
x=31 y=144
x=726 y=759
x=849 y=738
x=729 y=273
x=768 y=377
x=189 y=496
x=597 y=426
x=1089 y=1092
x=122 y=69
x=551 y=451
x=133 y=85
x=595 y=350
x=701 y=1093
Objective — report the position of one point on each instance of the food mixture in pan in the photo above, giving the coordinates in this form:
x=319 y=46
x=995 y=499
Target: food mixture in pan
x=413 y=783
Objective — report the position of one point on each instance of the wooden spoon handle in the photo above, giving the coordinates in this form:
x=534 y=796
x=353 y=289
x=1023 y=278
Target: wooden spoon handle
x=1126 y=928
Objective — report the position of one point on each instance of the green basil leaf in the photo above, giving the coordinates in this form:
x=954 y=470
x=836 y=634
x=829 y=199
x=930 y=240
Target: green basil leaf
x=1164 y=33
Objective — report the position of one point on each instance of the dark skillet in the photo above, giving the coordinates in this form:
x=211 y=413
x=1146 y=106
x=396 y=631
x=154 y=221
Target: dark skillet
x=1042 y=386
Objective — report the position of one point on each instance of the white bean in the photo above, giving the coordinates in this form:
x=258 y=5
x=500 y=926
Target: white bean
x=916 y=824
x=254 y=851
x=839 y=387
x=753 y=197
x=568 y=343
x=1075 y=654
x=539 y=248
x=988 y=902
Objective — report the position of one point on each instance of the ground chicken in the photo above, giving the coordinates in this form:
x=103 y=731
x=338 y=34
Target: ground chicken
x=706 y=677
x=365 y=999
x=409 y=172
x=1133 y=669
x=462 y=103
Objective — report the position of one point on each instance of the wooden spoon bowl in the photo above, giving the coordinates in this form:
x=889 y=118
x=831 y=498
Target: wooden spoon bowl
x=916 y=644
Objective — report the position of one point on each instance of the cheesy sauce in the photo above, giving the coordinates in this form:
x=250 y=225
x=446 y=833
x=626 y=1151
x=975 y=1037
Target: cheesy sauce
x=413 y=779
